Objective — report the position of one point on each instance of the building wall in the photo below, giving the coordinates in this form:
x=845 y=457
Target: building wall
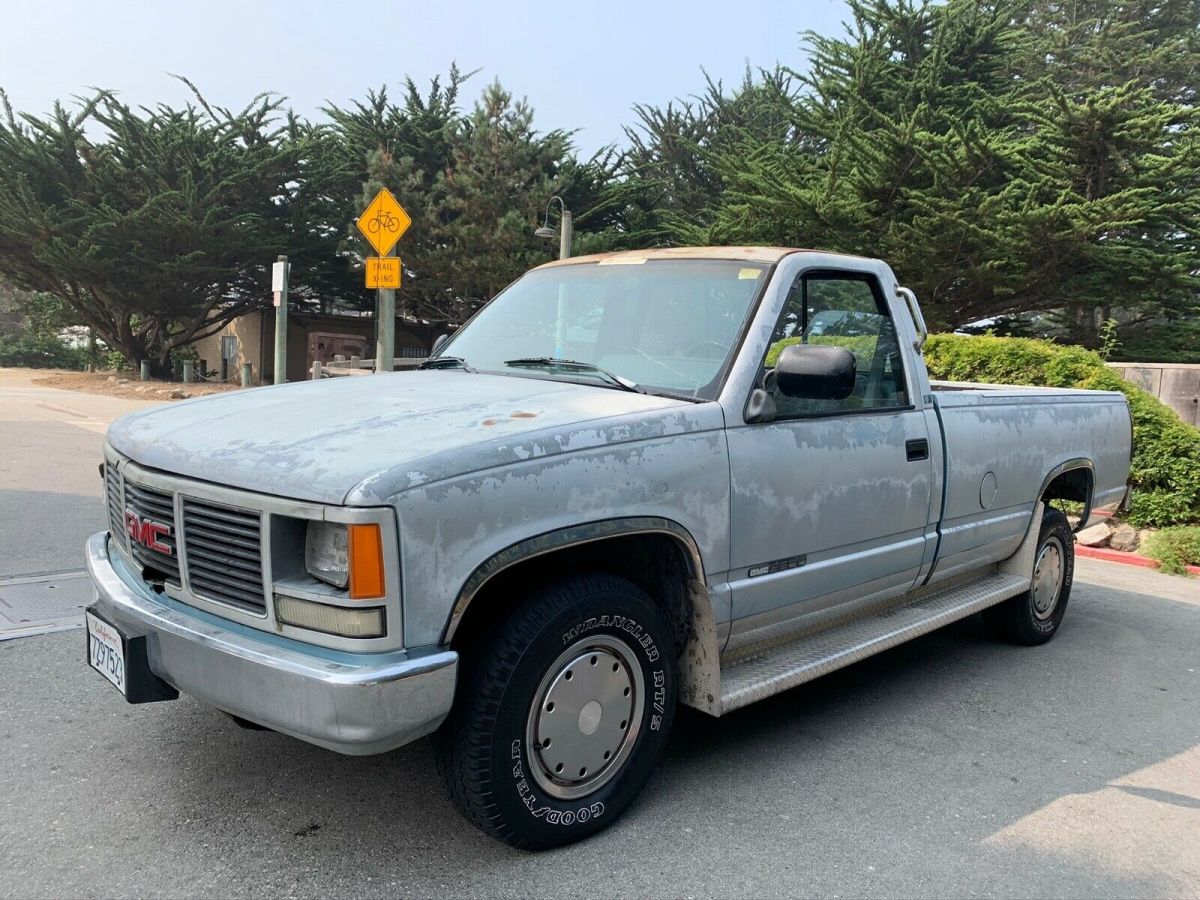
x=248 y=330
x=255 y=333
x=1175 y=384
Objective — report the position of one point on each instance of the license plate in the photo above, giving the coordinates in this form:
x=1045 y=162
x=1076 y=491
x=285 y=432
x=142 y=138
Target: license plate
x=106 y=651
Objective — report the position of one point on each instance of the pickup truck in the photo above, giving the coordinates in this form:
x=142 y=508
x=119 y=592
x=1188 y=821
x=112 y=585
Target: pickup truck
x=632 y=480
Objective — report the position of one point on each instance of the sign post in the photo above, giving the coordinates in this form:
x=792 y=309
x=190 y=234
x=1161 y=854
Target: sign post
x=382 y=223
x=385 y=328
x=279 y=286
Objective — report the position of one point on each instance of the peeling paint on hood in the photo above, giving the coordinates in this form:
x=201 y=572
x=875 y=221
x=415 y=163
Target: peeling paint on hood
x=318 y=441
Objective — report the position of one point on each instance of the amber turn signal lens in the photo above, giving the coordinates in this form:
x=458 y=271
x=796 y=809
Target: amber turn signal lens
x=366 y=562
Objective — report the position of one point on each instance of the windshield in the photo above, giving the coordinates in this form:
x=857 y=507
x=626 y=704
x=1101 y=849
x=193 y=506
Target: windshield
x=669 y=326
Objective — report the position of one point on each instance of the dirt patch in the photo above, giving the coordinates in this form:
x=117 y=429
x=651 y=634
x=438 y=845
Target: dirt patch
x=128 y=388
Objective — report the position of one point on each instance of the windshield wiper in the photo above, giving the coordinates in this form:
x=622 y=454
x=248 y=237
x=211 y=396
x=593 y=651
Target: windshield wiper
x=446 y=362
x=553 y=362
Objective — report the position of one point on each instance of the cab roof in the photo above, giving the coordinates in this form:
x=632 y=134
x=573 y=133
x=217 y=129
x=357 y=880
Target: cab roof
x=767 y=255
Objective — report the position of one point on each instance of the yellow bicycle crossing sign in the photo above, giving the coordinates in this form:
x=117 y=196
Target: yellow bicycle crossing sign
x=383 y=221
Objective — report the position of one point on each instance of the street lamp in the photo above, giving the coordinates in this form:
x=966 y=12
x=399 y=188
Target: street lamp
x=564 y=232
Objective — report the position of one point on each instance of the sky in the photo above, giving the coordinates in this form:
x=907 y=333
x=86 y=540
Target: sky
x=581 y=66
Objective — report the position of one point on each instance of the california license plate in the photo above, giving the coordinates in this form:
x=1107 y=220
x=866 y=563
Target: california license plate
x=106 y=650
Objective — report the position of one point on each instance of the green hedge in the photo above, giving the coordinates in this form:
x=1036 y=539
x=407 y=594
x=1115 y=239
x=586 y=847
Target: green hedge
x=862 y=346
x=1175 y=548
x=1166 y=459
x=39 y=351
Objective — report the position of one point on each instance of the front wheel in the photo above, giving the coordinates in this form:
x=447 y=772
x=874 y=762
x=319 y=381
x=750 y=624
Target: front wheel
x=562 y=714
x=1034 y=616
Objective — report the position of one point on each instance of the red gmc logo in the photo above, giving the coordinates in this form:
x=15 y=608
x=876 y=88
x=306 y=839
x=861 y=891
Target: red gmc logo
x=147 y=532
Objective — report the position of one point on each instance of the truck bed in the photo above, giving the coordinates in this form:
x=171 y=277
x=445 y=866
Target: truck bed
x=999 y=444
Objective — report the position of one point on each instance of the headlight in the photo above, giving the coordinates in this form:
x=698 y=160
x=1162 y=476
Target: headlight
x=346 y=556
x=327 y=553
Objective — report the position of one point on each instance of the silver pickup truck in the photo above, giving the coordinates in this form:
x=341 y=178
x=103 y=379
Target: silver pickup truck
x=697 y=476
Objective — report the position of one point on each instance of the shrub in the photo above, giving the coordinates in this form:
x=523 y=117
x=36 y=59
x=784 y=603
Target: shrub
x=1166 y=462
x=862 y=346
x=39 y=351
x=1175 y=548
x=115 y=360
x=1178 y=342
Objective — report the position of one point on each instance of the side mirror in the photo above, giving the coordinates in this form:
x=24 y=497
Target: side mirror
x=816 y=372
x=437 y=343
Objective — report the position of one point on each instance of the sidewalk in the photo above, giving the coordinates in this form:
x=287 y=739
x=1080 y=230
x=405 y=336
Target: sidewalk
x=23 y=401
x=51 y=444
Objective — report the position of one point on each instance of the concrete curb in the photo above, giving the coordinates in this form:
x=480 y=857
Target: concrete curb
x=1120 y=556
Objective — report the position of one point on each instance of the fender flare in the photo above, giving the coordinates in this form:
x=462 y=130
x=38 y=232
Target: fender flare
x=562 y=538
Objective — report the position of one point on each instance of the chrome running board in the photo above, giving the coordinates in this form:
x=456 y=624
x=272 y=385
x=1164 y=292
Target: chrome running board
x=791 y=664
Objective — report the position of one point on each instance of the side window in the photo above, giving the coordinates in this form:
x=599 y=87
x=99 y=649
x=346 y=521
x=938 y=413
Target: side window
x=844 y=311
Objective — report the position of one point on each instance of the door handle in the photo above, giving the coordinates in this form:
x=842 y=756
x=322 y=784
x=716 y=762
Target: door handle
x=916 y=449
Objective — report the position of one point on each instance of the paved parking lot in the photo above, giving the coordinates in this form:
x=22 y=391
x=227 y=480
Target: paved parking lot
x=952 y=766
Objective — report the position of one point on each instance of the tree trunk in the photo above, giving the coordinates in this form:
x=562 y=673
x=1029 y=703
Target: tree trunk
x=1085 y=329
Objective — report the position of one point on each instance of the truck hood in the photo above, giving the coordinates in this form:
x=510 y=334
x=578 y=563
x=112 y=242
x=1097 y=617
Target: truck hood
x=362 y=439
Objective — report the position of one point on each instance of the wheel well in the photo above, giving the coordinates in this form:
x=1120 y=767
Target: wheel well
x=1074 y=484
x=657 y=563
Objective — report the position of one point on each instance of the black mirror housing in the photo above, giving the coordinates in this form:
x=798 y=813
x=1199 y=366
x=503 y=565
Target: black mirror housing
x=816 y=372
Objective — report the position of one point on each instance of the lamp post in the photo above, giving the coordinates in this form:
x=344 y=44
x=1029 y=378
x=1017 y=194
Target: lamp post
x=564 y=232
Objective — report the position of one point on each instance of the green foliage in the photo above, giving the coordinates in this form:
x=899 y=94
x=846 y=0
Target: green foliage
x=1177 y=342
x=476 y=184
x=43 y=313
x=1109 y=343
x=673 y=164
x=1166 y=462
x=862 y=346
x=1006 y=158
x=1030 y=163
x=155 y=226
x=1174 y=548
x=114 y=360
x=39 y=351
x=998 y=360
x=30 y=324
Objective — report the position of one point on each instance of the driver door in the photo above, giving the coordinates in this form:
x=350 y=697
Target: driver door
x=830 y=499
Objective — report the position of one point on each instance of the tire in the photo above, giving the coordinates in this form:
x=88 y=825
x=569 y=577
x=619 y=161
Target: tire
x=1033 y=617
x=502 y=752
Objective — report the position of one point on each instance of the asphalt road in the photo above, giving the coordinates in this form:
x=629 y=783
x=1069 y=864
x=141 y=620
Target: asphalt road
x=952 y=766
x=50 y=492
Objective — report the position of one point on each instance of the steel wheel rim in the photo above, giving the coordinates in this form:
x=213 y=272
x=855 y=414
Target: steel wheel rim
x=582 y=726
x=1047 y=579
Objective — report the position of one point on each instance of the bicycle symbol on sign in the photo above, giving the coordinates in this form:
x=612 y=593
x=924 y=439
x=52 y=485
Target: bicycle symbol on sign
x=383 y=221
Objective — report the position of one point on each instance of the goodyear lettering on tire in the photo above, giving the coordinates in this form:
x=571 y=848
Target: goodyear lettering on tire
x=550 y=815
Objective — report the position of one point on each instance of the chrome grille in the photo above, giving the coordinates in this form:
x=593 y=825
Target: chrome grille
x=223 y=550
x=158 y=506
x=116 y=510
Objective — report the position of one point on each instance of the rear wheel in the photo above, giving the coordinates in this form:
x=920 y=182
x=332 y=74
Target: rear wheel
x=1034 y=616
x=562 y=713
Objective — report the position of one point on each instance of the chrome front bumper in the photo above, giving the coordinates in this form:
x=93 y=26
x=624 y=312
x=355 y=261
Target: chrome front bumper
x=352 y=703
